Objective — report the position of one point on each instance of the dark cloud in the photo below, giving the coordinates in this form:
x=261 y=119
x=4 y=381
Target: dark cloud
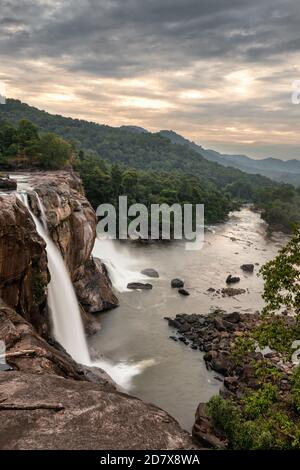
x=53 y=45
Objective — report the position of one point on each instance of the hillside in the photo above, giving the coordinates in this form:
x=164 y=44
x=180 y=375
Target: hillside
x=274 y=168
x=141 y=150
x=163 y=171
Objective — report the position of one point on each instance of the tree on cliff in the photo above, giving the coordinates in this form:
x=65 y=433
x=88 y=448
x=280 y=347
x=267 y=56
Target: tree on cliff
x=54 y=152
x=282 y=278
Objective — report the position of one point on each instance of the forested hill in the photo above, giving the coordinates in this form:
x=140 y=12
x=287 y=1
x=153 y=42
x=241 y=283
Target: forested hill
x=151 y=154
x=140 y=150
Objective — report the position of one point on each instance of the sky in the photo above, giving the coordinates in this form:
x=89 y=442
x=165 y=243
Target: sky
x=219 y=72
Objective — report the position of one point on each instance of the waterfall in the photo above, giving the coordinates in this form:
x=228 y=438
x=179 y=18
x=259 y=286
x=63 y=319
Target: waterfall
x=65 y=313
x=116 y=264
x=62 y=302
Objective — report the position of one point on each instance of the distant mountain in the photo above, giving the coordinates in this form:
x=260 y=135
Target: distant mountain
x=276 y=169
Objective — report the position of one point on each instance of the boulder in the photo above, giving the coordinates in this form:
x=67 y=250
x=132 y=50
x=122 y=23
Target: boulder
x=183 y=292
x=231 y=291
x=232 y=279
x=203 y=430
x=150 y=272
x=233 y=317
x=8 y=184
x=177 y=283
x=248 y=268
x=139 y=285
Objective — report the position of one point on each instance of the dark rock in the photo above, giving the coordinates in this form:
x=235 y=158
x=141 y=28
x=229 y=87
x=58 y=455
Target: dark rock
x=173 y=338
x=211 y=289
x=232 y=279
x=233 y=317
x=8 y=184
x=203 y=430
x=248 y=268
x=150 y=272
x=139 y=285
x=231 y=291
x=177 y=283
x=183 y=292
x=184 y=328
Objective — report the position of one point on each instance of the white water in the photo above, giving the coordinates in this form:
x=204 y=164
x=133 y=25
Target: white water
x=117 y=264
x=65 y=313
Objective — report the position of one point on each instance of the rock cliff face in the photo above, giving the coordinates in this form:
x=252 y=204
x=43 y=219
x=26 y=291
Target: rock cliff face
x=72 y=224
x=23 y=263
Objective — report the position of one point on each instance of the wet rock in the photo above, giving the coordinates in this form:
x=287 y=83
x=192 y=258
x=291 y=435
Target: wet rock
x=204 y=432
x=177 y=283
x=232 y=279
x=248 y=268
x=150 y=272
x=8 y=184
x=231 y=291
x=183 y=292
x=233 y=317
x=139 y=285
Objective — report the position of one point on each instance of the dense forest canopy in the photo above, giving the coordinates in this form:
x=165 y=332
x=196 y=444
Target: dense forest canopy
x=163 y=171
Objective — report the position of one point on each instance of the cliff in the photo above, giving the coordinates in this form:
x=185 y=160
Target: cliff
x=48 y=401
x=72 y=225
x=23 y=263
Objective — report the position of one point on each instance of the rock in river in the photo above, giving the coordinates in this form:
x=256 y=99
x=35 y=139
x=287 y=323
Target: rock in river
x=183 y=292
x=139 y=285
x=232 y=279
x=248 y=268
x=177 y=283
x=150 y=272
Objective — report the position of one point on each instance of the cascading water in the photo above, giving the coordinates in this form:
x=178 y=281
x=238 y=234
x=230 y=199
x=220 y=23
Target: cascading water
x=65 y=313
x=116 y=264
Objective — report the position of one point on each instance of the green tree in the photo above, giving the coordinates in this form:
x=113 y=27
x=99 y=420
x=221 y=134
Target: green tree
x=54 y=152
x=282 y=278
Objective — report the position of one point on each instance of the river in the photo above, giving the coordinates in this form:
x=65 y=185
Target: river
x=170 y=374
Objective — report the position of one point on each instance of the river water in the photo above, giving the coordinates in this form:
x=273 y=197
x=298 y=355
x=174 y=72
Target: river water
x=171 y=375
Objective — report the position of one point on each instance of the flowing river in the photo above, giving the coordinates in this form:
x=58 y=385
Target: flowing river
x=170 y=374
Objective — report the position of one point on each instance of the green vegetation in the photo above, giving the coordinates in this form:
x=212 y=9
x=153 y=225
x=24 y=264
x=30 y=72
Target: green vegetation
x=281 y=278
x=23 y=147
x=265 y=416
x=155 y=154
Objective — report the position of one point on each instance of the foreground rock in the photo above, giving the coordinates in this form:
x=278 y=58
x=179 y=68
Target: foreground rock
x=50 y=402
x=56 y=413
x=177 y=283
x=150 y=273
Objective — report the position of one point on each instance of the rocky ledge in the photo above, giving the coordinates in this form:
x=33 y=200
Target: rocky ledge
x=215 y=334
x=47 y=401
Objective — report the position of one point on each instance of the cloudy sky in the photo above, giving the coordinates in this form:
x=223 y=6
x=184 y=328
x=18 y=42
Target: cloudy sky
x=219 y=72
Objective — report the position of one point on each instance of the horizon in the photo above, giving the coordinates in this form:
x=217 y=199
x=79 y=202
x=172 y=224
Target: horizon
x=220 y=73
x=156 y=131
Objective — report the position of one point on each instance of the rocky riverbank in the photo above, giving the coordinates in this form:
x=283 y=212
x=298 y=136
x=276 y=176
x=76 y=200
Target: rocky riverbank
x=216 y=335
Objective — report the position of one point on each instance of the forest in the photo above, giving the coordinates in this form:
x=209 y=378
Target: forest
x=158 y=171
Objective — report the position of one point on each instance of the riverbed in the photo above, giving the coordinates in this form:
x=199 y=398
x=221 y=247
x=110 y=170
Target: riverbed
x=164 y=372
